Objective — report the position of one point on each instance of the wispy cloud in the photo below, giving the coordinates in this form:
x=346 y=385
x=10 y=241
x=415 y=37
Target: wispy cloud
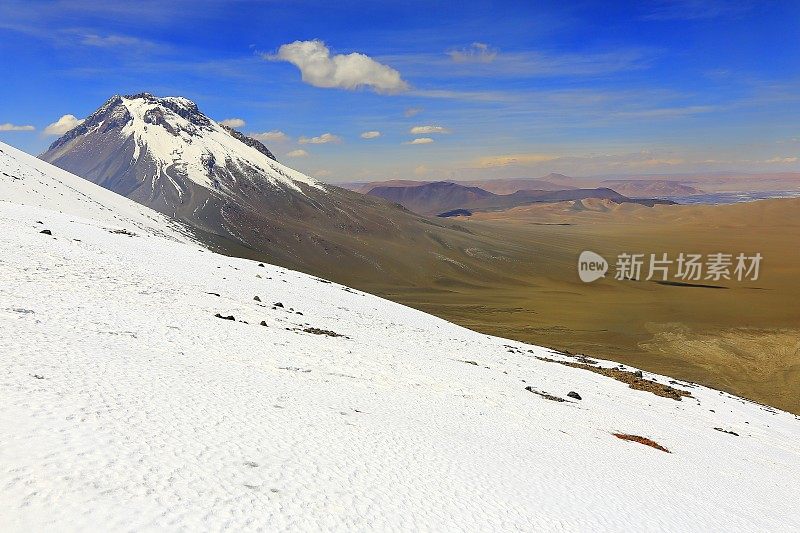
x=491 y=63
x=469 y=96
x=143 y=12
x=576 y=164
x=420 y=140
x=475 y=53
x=76 y=37
x=370 y=134
x=341 y=71
x=233 y=122
x=325 y=138
x=513 y=159
x=14 y=127
x=695 y=9
x=427 y=130
x=297 y=153
x=782 y=160
x=412 y=111
x=667 y=112
x=112 y=40
x=560 y=109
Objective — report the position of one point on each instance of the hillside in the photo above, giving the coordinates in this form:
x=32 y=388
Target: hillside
x=431 y=198
x=198 y=391
x=164 y=394
x=551 y=182
x=651 y=188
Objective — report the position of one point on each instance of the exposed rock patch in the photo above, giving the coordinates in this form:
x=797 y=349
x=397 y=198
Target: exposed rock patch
x=641 y=440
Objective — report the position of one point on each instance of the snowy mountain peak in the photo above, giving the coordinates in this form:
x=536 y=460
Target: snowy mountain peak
x=161 y=148
x=167 y=111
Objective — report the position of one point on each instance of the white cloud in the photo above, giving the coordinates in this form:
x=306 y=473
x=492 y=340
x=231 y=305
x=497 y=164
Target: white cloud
x=352 y=71
x=297 y=153
x=270 y=136
x=420 y=140
x=233 y=122
x=325 y=138
x=475 y=53
x=782 y=160
x=412 y=112
x=322 y=173
x=370 y=134
x=14 y=127
x=63 y=125
x=427 y=130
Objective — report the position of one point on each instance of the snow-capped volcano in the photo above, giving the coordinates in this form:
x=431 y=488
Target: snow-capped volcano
x=166 y=154
x=158 y=149
x=147 y=384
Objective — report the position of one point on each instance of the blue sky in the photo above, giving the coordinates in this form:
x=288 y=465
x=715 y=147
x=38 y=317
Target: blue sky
x=455 y=89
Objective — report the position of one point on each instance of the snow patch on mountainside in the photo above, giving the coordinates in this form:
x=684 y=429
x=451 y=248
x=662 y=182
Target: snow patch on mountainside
x=145 y=387
x=178 y=136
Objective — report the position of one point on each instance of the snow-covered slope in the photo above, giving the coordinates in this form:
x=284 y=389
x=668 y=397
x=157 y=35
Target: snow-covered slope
x=26 y=180
x=128 y=404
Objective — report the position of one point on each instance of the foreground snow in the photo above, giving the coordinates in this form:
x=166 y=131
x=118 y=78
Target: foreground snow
x=128 y=405
x=27 y=180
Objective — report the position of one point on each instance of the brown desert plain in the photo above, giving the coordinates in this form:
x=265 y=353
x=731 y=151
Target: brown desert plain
x=742 y=337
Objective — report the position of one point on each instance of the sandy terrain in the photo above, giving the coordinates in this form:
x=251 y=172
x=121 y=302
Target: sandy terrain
x=744 y=338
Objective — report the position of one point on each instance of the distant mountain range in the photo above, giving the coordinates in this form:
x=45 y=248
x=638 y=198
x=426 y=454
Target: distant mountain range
x=551 y=182
x=642 y=187
x=444 y=198
x=675 y=186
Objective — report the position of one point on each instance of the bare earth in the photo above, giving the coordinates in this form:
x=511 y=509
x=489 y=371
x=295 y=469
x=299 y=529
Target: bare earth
x=743 y=338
